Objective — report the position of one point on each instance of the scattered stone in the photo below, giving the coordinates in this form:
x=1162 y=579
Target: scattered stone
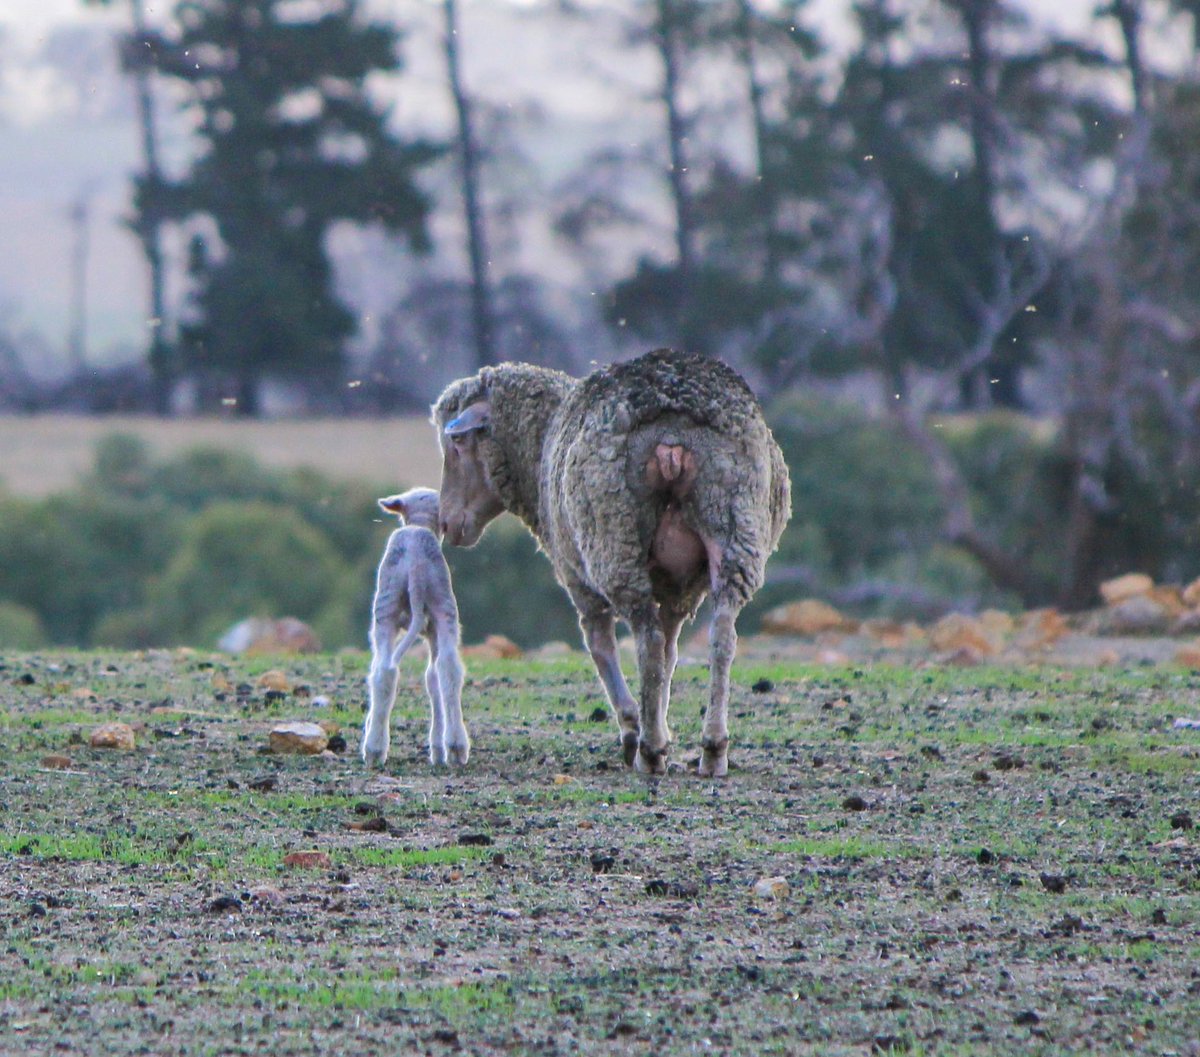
x=337 y=743
x=25 y=679
x=602 y=863
x=672 y=889
x=762 y=686
x=1188 y=656
x=320 y=701
x=997 y=624
x=1007 y=762
x=956 y=632
x=1141 y=614
x=1182 y=820
x=37 y=910
x=475 y=840
x=307 y=860
x=113 y=736
x=1027 y=1017
x=552 y=651
x=224 y=904
x=599 y=714
x=1122 y=588
x=56 y=762
x=266 y=894
x=985 y=857
x=854 y=803
x=563 y=779
x=275 y=680
x=832 y=657
x=377 y=824
x=981 y=776
x=893 y=634
x=772 y=888
x=220 y=682
x=806 y=618
x=264 y=635
x=964 y=657
x=494 y=648
x=1053 y=882
x=1183 y=723
x=1040 y=629
x=1158 y=916
x=299 y=738
x=264 y=784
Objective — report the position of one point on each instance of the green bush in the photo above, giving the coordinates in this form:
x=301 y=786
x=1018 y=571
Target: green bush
x=20 y=628
x=238 y=560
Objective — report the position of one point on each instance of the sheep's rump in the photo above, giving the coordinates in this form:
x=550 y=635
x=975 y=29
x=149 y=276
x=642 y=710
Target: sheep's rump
x=600 y=510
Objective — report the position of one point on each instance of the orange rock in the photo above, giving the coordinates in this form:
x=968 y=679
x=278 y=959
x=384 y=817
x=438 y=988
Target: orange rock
x=957 y=631
x=1169 y=596
x=493 y=648
x=1191 y=594
x=1188 y=655
x=808 y=617
x=299 y=738
x=1041 y=627
x=275 y=680
x=56 y=763
x=112 y=736
x=262 y=635
x=998 y=624
x=1122 y=588
x=307 y=860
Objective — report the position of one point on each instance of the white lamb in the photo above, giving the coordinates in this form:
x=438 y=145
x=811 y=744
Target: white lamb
x=413 y=591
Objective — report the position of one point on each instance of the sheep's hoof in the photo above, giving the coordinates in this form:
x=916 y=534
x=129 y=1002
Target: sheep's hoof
x=629 y=746
x=650 y=761
x=714 y=761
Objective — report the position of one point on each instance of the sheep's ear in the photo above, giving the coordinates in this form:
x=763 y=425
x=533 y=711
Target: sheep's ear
x=393 y=504
x=477 y=416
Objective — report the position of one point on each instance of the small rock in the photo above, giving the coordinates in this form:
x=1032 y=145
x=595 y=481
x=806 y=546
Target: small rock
x=1027 y=1017
x=337 y=743
x=1188 y=656
x=223 y=904
x=957 y=633
x=772 y=888
x=56 y=762
x=262 y=635
x=494 y=648
x=1139 y=615
x=563 y=779
x=985 y=857
x=264 y=784
x=598 y=714
x=854 y=803
x=112 y=736
x=1191 y=594
x=672 y=889
x=378 y=824
x=602 y=863
x=808 y=617
x=300 y=737
x=1181 y=820
x=981 y=776
x=1158 y=916
x=307 y=860
x=474 y=840
x=1053 y=882
x=275 y=680
x=762 y=686
x=266 y=894
x=1182 y=723
x=1041 y=628
x=1122 y=588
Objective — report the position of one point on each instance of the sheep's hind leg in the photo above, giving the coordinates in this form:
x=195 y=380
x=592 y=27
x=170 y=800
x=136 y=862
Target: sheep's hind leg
x=381 y=690
x=714 y=761
x=444 y=653
x=600 y=636
x=653 y=742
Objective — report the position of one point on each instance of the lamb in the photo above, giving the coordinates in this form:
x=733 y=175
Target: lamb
x=648 y=484
x=413 y=590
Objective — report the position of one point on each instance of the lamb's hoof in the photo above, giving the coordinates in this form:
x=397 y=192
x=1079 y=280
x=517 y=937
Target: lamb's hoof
x=650 y=761
x=437 y=756
x=629 y=746
x=458 y=754
x=714 y=760
x=374 y=757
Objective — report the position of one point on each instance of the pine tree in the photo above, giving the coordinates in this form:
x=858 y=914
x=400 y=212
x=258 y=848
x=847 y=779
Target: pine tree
x=291 y=144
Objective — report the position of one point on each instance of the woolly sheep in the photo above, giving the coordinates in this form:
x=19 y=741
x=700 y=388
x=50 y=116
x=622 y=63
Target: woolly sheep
x=413 y=590
x=648 y=484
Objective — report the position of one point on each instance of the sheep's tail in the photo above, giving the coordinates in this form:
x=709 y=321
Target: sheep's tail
x=416 y=608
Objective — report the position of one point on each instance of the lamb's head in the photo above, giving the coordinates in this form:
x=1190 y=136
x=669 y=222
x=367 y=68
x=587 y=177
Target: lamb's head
x=417 y=506
x=469 y=497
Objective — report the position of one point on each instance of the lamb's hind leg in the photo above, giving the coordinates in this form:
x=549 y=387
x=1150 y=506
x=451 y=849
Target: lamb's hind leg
x=444 y=653
x=599 y=627
x=437 y=711
x=381 y=692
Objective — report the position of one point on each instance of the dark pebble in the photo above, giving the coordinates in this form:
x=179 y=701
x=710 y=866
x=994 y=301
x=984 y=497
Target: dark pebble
x=598 y=715
x=37 y=910
x=336 y=743
x=1158 y=917
x=986 y=857
x=224 y=903
x=603 y=863
x=1027 y=1016
x=264 y=784
x=762 y=686
x=25 y=679
x=479 y=840
x=981 y=776
x=854 y=803
x=1181 y=820
x=1053 y=882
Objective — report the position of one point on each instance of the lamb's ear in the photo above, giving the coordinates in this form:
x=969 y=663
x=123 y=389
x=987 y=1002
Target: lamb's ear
x=477 y=416
x=393 y=504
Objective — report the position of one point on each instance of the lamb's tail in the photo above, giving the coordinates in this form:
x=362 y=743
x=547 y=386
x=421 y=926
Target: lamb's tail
x=416 y=608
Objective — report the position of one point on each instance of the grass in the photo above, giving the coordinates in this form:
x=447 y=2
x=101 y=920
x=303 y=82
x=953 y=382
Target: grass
x=607 y=914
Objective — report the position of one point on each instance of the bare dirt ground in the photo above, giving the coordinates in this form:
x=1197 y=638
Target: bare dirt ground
x=46 y=454
x=919 y=860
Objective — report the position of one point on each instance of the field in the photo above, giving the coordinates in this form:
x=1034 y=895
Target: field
x=45 y=454
x=920 y=861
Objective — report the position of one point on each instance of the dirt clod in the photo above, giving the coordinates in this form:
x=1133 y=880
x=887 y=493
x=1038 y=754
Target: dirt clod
x=762 y=686
x=1053 y=882
x=1182 y=820
x=474 y=840
x=602 y=863
x=224 y=904
x=854 y=803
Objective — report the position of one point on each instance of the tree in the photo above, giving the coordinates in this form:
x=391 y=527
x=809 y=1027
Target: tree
x=292 y=144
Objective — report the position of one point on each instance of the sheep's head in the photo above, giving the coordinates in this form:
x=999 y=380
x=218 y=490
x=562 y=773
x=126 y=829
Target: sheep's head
x=469 y=499
x=417 y=506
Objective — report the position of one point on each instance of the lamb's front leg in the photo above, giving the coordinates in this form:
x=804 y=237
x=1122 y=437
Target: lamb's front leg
x=381 y=693
x=449 y=674
x=654 y=741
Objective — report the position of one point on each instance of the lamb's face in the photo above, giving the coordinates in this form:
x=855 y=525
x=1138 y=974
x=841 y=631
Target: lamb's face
x=468 y=498
x=417 y=506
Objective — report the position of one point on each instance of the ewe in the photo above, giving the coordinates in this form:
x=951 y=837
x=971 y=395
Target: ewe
x=413 y=590
x=648 y=484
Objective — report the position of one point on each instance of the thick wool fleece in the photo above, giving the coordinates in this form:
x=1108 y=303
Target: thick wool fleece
x=568 y=457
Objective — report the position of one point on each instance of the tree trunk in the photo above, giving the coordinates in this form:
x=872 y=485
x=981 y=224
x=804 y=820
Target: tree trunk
x=469 y=160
